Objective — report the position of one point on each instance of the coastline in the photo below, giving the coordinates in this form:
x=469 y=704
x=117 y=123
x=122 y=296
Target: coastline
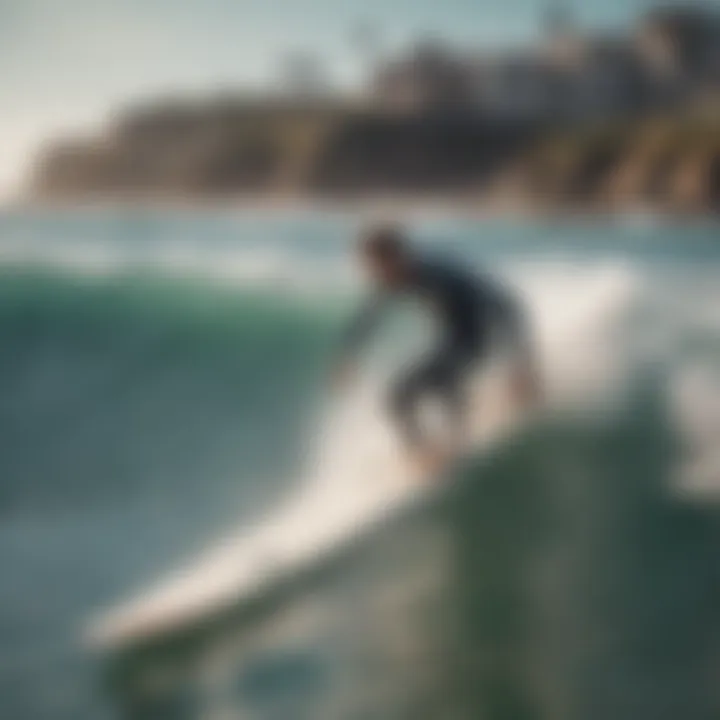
x=385 y=206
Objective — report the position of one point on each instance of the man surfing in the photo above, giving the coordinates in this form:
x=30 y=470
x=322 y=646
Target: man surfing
x=473 y=312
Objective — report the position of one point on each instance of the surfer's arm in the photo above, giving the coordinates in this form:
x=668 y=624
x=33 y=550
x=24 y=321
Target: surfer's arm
x=354 y=337
x=362 y=325
x=356 y=334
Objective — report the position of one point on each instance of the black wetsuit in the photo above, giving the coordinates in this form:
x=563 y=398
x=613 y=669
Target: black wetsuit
x=468 y=307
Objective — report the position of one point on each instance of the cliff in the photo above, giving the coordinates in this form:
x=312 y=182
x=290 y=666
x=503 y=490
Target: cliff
x=284 y=149
x=669 y=162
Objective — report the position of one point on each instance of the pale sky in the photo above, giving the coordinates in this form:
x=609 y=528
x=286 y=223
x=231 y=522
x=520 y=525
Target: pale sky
x=65 y=64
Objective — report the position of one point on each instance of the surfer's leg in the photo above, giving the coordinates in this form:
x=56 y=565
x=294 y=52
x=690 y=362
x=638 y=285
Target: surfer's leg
x=404 y=400
x=454 y=364
x=441 y=375
x=449 y=389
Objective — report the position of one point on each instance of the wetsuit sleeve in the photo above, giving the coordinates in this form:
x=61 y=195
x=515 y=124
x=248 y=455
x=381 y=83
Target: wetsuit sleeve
x=362 y=324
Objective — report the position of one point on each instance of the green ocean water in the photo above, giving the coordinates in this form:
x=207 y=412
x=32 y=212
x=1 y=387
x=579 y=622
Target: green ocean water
x=162 y=379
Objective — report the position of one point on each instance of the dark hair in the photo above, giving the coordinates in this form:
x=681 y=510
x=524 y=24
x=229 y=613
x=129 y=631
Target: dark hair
x=384 y=243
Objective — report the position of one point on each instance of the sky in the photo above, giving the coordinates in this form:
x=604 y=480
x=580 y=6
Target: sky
x=66 y=64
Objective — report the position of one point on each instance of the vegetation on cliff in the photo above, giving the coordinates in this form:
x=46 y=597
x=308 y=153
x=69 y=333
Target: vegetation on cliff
x=669 y=162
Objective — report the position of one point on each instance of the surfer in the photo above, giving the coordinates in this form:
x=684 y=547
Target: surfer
x=474 y=312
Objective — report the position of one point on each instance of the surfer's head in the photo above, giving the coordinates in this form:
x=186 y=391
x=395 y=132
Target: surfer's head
x=386 y=255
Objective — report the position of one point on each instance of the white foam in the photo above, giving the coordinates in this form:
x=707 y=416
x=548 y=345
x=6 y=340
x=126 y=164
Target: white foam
x=257 y=265
x=694 y=394
x=580 y=320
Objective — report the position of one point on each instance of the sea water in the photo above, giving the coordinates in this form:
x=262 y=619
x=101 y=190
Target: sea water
x=163 y=382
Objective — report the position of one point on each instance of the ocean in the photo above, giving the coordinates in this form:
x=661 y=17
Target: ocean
x=163 y=382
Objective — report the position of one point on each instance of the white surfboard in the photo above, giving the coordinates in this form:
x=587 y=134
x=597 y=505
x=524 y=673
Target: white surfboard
x=355 y=487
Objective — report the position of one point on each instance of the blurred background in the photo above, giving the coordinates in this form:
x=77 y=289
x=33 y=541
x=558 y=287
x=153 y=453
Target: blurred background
x=182 y=184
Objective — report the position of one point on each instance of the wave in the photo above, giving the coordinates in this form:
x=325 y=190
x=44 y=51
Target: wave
x=510 y=591
x=157 y=393
x=88 y=365
x=138 y=386
x=357 y=473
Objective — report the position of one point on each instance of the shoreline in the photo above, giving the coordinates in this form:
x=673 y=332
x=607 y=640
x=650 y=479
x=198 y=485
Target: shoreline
x=374 y=206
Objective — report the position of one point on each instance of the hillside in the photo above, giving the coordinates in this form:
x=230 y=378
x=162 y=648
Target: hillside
x=668 y=162
x=231 y=150
x=224 y=150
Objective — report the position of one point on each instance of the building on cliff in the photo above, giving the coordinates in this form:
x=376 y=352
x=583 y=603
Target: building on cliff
x=567 y=76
